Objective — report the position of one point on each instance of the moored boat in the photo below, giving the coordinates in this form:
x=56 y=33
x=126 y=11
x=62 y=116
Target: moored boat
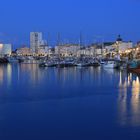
x=95 y=63
x=134 y=66
x=110 y=64
x=47 y=64
x=81 y=64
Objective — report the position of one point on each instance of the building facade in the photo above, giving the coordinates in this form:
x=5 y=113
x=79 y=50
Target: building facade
x=5 y=49
x=67 y=50
x=119 y=46
x=35 y=41
x=23 y=51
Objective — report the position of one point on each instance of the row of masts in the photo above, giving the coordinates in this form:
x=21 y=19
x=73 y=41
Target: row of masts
x=80 y=43
x=59 y=42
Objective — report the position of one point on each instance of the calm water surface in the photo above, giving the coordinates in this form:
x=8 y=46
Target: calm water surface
x=68 y=104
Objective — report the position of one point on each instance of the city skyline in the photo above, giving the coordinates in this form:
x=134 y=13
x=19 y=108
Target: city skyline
x=92 y=18
x=80 y=40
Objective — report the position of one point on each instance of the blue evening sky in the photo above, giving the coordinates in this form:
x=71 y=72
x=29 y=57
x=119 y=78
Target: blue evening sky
x=106 y=18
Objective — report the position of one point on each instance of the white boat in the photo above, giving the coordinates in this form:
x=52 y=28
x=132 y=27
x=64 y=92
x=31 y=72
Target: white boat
x=102 y=62
x=110 y=64
x=47 y=64
x=82 y=64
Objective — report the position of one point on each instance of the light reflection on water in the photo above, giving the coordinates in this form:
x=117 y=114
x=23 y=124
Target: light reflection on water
x=34 y=82
x=129 y=100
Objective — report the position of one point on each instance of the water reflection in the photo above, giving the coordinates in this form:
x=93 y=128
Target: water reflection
x=5 y=74
x=9 y=74
x=129 y=100
x=30 y=71
x=1 y=75
x=74 y=82
x=77 y=76
x=135 y=102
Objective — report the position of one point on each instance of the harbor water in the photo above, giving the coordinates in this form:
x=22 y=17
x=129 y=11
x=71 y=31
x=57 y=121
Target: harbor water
x=68 y=103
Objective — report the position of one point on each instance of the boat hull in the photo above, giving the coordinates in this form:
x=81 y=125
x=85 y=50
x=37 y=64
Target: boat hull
x=109 y=66
x=134 y=70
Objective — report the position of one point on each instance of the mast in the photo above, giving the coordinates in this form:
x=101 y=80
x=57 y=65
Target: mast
x=48 y=39
x=80 y=40
x=102 y=46
x=58 y=45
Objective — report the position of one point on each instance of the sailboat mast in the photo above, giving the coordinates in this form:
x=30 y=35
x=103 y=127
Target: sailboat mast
x=58 y=44
x=48 y=40
x=80 y=40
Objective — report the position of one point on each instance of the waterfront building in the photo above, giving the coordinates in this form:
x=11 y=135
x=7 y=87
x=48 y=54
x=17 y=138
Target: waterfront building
x=35 y=41
x=41 y=51
x=5 y=49
x=50 y=52
x=37 y=44
x=86 y=51
x=119 y=46
x=67 y=50
x=94 y=50
x=125 y=46
x=23 y=51
x=122 y=46
x=135 y=51
x=43 y=48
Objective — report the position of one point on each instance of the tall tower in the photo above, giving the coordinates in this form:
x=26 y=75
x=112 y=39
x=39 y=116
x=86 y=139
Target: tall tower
x=35 y=41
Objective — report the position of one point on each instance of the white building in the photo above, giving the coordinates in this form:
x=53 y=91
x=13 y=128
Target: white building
x=35 y=41
x=123 y=46
x=5 y=49
x=84 y=51
x=119 y=46
x=67 y=50
x=41 y=51
x=24 y=51
x=92 y=51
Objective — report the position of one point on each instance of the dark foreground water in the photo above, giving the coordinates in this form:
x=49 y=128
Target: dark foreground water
x=68 y=104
